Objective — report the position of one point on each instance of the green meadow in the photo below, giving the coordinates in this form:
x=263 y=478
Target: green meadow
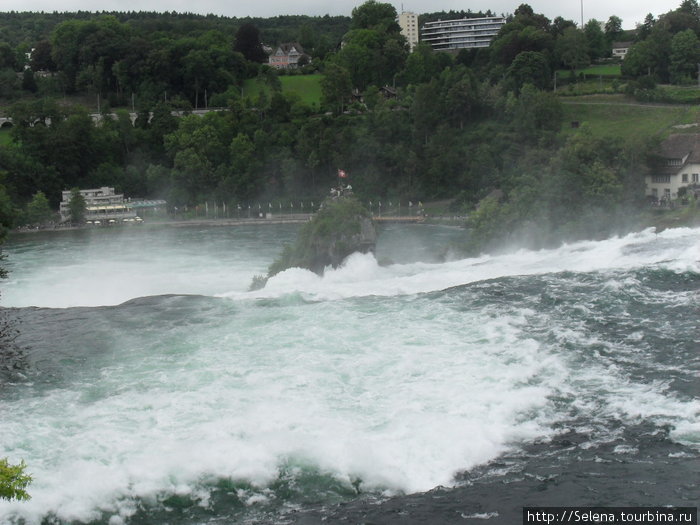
x=307 y=87
x=605 y=70
x=615 y=116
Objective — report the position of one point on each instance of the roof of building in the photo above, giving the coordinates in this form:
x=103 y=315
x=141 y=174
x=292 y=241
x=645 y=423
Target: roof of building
x=683 y=148
x=682 y=144
x=288 y=46
x=618 y=45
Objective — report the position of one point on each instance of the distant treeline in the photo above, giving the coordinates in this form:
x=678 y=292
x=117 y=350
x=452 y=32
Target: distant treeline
x=23 y=29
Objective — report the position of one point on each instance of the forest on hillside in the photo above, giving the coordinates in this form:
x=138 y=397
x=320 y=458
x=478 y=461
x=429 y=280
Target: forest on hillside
x=451 y=126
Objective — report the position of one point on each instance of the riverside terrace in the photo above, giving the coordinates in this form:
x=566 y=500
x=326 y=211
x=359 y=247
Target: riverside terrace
x=104 y=204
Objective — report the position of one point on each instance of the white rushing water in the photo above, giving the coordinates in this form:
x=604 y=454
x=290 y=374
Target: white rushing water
x=357 y=375
x=98 y=271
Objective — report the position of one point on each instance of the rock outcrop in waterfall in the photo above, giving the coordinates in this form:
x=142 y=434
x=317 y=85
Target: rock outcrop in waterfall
x=341 y=227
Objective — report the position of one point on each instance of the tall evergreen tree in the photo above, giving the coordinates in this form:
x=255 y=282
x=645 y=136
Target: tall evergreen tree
x=247 y=43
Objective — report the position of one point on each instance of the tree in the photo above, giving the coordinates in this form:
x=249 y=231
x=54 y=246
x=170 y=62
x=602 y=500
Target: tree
x=375 y=15
x=526 y=16
x=559 y=24
x=9 y=83
x=463 y=97
x=7 y=218
x=198 y=67
x=613 y=28
x=359 y=59
x=514 y=38
x=336 y=87
x=645 y=29
x=421 y=65
x=38 y=210
x=524 y=10
x=685 y=55
x=76 y=207
x=650 y=57
x=679 y=20
x=28 y=81
x=598 y=46
x=41 y=57
x=639 y=60
x=13 y=481
x=571 y=48
x=426 y=109
x=529 y=67
x=536 y=111
x=7 y=57
x=690 y=7
x=247 y=42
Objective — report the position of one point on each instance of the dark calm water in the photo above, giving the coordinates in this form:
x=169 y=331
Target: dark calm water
x=149 y=386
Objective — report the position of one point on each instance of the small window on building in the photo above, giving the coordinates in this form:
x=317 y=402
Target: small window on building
x=695 y=177
x=667 y=193
x=685 y=177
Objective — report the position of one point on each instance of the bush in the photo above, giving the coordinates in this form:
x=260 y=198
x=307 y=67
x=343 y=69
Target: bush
x=13 y=481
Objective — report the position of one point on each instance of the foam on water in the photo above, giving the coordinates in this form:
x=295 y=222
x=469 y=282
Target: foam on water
x=96 y=268
x=360 y=275
x=365 y=379
x=398 y=408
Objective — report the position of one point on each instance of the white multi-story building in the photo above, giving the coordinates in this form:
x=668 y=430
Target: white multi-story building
x=100 y=204
x=409 y=27
x=678 y=167
x=465 y=33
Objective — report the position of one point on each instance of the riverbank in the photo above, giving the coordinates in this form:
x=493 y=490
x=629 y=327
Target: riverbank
x=663 y=219
x=298 y=218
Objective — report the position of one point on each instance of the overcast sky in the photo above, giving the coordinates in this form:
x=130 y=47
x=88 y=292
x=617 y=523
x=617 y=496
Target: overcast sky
x=631 y=12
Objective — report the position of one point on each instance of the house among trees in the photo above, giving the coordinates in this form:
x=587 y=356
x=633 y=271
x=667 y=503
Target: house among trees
x=620 y=49
x=289 y=56
x=677 y=170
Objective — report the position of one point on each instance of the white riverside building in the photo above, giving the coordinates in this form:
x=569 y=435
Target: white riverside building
x=101 y=204
x=465 y=33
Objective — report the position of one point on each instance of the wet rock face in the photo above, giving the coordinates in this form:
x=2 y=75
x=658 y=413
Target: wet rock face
x=342 y=227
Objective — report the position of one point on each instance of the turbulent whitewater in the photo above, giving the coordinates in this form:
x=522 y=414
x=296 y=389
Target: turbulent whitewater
x=151 y=387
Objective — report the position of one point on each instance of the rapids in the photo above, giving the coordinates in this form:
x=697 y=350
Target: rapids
x=152 y=387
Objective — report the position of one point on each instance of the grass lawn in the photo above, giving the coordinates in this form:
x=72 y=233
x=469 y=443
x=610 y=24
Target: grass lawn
x=627 y=121
x=606 y=70
x=5 y=137
x=682 y=94
x=308 y=87
x=588 y=87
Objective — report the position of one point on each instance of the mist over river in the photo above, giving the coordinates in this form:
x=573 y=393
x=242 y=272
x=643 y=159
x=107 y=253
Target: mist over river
x=149 y=386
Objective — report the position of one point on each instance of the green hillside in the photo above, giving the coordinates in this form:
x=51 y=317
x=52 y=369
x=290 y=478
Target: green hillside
x=627 y=120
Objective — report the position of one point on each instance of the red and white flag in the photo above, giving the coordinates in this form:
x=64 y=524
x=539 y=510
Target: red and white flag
x=342 y=174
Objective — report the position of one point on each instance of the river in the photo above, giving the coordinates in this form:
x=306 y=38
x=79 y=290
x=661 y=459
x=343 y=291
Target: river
x=147 y=385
